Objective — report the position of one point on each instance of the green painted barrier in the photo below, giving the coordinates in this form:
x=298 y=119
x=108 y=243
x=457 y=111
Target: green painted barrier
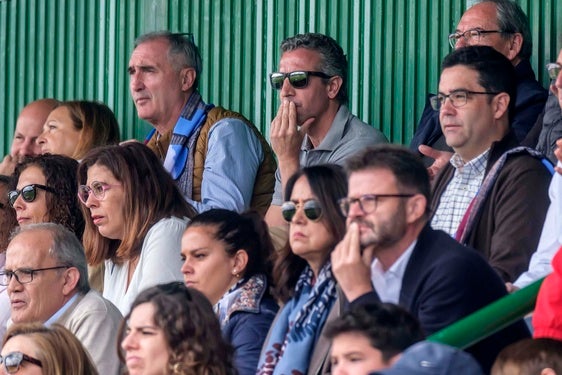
x=490 y=319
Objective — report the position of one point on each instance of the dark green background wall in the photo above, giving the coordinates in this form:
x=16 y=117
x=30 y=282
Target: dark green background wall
x=79 y=49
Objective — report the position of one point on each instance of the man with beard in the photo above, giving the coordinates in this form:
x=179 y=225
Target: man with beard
x=391 y=254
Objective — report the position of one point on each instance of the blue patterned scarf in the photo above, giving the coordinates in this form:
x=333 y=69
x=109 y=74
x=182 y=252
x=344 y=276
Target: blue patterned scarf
x=296 y=330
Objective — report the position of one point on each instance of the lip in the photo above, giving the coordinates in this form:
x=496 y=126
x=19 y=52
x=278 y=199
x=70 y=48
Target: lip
x=298 y=236
x=22 y=220
x=141 y=100
x=190 y=283
x=97 y=219
x=132 y=359
x=17 y=303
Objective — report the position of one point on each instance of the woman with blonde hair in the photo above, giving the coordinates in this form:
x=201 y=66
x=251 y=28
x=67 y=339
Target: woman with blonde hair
x=44 y=350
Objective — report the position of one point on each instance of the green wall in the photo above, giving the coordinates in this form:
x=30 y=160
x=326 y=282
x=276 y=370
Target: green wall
x=79 y=49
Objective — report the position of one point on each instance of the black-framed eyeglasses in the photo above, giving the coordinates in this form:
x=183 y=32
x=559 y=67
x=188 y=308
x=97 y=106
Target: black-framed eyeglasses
x=458 y=98
x=471 y=36
x=367 y=202
x=298 y=79
x=12 y=361
x=311 y=208
x=553 y=70
x=97 y=188
x=23 y=275
x=28 y=193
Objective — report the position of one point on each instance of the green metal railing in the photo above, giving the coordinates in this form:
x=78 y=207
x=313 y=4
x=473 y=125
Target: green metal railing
x=490 y=319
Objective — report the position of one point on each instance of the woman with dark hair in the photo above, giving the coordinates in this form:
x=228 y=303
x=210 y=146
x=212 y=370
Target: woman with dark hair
x=172 y=330
x=226 y=257
x=135 y=217
x=45 y=191
x=302 y=271
x=75 y=127
x=7 y=223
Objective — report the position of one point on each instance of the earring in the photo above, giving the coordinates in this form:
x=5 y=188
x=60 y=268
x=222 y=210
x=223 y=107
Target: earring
x=235 y=273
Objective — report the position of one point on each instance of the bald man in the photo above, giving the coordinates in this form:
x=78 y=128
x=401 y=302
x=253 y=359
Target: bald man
x=28 y=127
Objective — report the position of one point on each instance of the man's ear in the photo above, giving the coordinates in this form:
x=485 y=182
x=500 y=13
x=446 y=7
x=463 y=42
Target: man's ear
x=415 y=208
x=501 y=105
x=516 y=42
x=187 y=76
x=334 y=86
x=71 y=277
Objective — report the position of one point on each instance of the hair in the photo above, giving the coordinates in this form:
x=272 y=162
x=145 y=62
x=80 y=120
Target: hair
x=512 y=19
x=60 y=174
x=245 y=231
x=150 y=195
x=333 y=61
x=388 y=327
x=59 y=351
x=9 y=215
x=65 y=249
x=191 y=329
x=328 y=183
x=183 y=53
x=95 y=121
x=495 y=72
x=530 y=356
x=407 y=167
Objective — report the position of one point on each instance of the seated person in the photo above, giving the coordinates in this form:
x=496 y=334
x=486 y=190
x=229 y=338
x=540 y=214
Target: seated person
x=7 y=224
x=370 y=338
x=530 y=357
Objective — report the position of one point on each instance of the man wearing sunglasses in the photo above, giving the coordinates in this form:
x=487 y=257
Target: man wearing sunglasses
x=47 y=282
x=29 y=126
x=502 y=25
x=217 y=157
x=391 y=254
x=313 y=125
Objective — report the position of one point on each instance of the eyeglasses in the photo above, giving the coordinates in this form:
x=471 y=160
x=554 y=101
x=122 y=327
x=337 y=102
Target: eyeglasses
x=97 y=188
x=312 y=210
x=23 y=275
x=458 y=98
x=28 y=193
x=188 y=35
x=553 y=70
x=12 y=361
x=471 y=36
x=298 y=79
x=367 y=203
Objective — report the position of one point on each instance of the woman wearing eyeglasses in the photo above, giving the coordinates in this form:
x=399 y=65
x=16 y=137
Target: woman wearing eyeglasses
x=226 y=257
x=135 y=217
x=33 y=349
x=172 y=330
x=7 y=224
x=302 y=271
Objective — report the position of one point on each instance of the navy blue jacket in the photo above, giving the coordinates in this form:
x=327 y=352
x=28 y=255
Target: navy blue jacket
x=530 y=101
x=445 y=281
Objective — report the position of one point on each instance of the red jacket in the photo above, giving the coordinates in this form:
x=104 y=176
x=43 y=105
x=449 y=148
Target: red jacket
x=547 y=318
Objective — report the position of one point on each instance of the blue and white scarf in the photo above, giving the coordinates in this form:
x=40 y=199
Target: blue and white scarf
x=294 y=335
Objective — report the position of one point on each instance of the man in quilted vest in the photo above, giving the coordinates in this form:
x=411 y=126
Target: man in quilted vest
x=217 y=157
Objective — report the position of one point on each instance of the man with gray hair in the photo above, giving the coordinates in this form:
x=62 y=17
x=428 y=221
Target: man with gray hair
x=217 y=157
x=47 y=279
x=313 y=124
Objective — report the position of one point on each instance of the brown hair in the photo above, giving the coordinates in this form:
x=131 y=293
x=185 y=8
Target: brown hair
x=8 y=213
x=191 y=329
x=150 y=195
x=59 y=351
x=530 y=356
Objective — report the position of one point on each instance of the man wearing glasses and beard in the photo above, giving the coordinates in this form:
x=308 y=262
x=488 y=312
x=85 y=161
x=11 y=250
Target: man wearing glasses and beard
x=313 y=125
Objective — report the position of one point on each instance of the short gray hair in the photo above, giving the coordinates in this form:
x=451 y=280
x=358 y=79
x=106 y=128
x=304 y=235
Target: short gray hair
x=512 y=19
x=65 y=249
x=333 y=60
x=183 y=53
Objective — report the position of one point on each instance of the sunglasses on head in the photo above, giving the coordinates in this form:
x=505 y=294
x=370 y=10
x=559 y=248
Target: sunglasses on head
x=312 y=210
x=298 y=79
x=28 y=193
x=12 y=361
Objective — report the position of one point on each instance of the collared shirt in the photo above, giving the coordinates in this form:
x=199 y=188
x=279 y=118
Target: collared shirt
x=53 y=319
x=347 y=135
x=459 y=192
x=388 y=284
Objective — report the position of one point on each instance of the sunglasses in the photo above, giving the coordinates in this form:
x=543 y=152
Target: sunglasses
x=298 y=79
x=12 y=361
x=553 y=70
x=312 y=210
x=28 y=193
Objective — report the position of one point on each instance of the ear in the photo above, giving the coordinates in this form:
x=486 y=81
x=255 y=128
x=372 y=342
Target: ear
x=515 y=45
x=187 y=76
x=500 y=105
x=333 y=87
x=415 y=208
x=240 y=262
x=70 y=280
